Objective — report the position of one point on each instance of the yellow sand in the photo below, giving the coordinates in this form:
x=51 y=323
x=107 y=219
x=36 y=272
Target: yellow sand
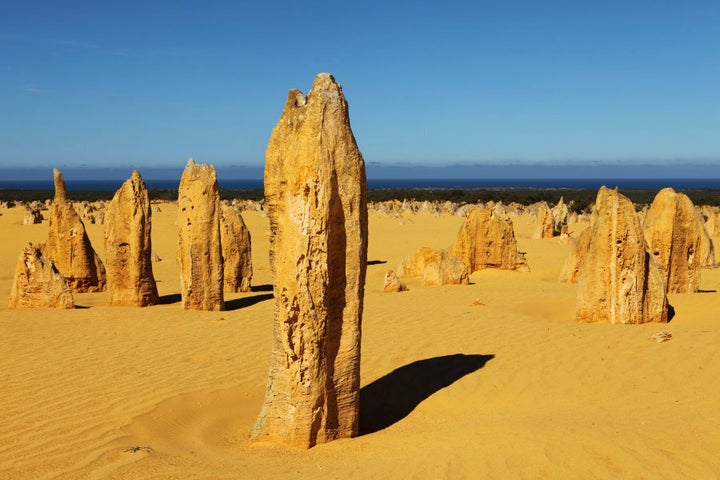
x=507 y=384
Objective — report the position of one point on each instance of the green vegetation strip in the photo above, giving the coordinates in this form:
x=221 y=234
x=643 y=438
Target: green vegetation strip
x=581 y=198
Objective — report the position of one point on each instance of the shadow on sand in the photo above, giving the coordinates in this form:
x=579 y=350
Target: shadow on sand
x=247 y=301
x=391 y=398
x=262 y=288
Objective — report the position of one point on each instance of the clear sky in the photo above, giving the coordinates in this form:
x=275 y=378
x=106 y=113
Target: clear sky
x=151 y=83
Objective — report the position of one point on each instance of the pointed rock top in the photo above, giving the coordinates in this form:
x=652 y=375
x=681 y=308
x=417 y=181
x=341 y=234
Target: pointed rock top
x=196 y=170
x=60 y=192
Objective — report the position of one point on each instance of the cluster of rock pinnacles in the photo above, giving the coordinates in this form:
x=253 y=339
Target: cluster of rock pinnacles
x=315 y=191
x=47 y=275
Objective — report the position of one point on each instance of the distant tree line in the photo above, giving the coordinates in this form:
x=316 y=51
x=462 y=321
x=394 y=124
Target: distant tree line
x=579 y=200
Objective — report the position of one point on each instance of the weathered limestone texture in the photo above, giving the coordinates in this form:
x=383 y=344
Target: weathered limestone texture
x=545 y=223
x=436 y=267
x=486 y=240
x=414 y=264
x=392 y=283
x=571 y=268
x=237 y=251
x=560 y=213
x=37 y=282
x=674 y=233
x=68 y=245
x=451 y=270
x=316 y=204
x=128 y=246
x=619 y=282
x=199 y=249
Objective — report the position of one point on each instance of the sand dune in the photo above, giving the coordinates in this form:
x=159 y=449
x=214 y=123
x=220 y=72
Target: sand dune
x=491 y=380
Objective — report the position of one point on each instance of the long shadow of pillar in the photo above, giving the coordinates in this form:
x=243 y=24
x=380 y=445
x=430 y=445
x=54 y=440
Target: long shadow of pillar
x=391 y=398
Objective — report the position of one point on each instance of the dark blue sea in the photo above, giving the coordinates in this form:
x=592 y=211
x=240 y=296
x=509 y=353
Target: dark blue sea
x=420 y=183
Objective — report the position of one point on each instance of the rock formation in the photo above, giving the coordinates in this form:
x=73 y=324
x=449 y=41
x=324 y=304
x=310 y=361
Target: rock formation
x=316 y=203
x=571 y=268
x=486 y=240
x=545 y=223
x=68 y=245
x=33 y=217
x=674 y=233
x=560 y=213
x=451 y=270
x=199 y=249
x=236 y=248
x=712 y=223
x=128 y=246
x=414 y=264
x=392 y=283
x=436 y=267
x=37 y=282
x=707 y=247
x=619 y=282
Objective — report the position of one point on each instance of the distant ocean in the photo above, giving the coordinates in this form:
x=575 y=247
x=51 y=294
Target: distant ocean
x=418 y=183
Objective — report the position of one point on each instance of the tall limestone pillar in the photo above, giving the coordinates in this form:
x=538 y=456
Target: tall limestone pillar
x=199 y=250
x=315 y=192
x=128 y=247
x=619 y=282
x=68 y=244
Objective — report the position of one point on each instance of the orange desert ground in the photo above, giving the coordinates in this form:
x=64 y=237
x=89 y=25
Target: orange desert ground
x=490 y=380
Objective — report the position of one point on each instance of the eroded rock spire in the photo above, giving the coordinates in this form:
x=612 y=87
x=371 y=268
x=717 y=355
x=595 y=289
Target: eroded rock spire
x=315 y=191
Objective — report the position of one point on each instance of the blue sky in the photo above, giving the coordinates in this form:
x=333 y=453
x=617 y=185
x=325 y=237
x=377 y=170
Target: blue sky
x=152 y=83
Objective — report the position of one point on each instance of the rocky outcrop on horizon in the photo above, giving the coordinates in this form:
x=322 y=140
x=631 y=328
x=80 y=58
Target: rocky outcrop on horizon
x=68 y=245
x=128 y=246
x=316 y=202
x=37 y=283
x=486 y=240
x=619 y=281
x=199 y=248
x=674 y=233
x=237 y=250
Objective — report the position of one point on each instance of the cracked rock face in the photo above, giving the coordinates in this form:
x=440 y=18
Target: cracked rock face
x=315 y=191
x=128 y=246
x=38 y=284
x=199 y=249
x=675 y=235
x=486 y=240
x=68 y=245
x=619 y=282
